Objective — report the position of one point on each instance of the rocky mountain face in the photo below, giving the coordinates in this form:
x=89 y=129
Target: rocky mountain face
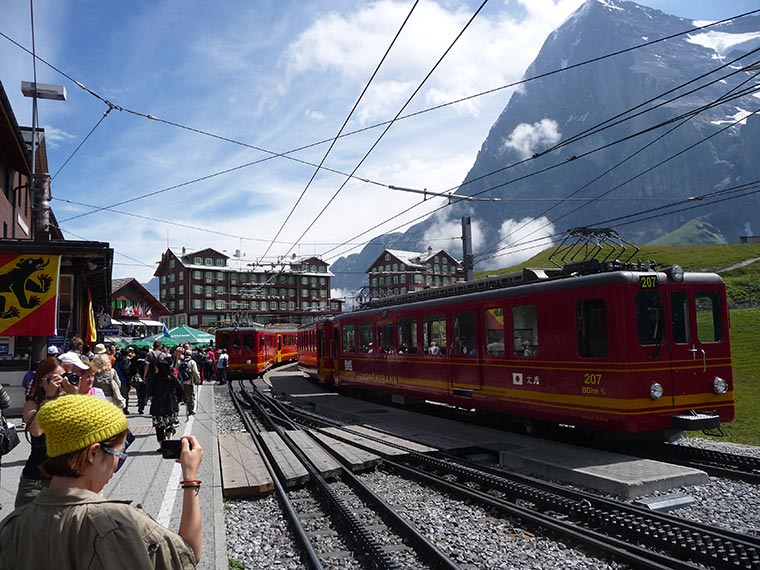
x=630 y=166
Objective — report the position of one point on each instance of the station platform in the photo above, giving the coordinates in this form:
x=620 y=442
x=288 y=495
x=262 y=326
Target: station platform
x=610 y=473
x=151 y=481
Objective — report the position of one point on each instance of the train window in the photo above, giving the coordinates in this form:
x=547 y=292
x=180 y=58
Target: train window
x=248 y=342
x=235 y=341
x=649 y=318
x=434 y=335
x=349 y=341
x=708 y=317
x=385 y=337
x=465 y=343
x=680 y=317
x=591 y=319
x=525 y=330
x=407 y=336
x=365 y=337
x=222 y=340
x=495 y=332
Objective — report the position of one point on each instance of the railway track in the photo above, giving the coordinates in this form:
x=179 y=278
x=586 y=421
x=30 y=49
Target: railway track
x=627 y=532
x=372 y=534
x=715 y=463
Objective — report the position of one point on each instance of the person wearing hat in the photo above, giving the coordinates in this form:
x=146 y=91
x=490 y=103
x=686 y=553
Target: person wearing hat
x=87 y=441
x=49 y=383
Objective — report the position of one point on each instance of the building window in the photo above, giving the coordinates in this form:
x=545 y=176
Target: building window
x=219 y=276
x=291 y=306
x=163 y=280
x=197 y=303
x=172 y=263
x=219 y=262
x=283 y=306
x=209 y=261
x=387 y=257
x=209 y=305
x=197 y=261
x=374 y=281
x=209 y=275
x=221 y=304
x=181 y=304
x=172 y=277
x=197 y=274
x=273 y=305
x=322 y=281
x=220 y=289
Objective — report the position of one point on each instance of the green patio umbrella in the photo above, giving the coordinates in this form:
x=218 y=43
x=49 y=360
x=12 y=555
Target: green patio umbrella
x=167 y=340
x=184 y=333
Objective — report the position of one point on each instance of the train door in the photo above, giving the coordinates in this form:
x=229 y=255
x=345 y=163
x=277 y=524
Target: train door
x=699 y=346
x=321 y=350
x=463 y=352
x=279 y=348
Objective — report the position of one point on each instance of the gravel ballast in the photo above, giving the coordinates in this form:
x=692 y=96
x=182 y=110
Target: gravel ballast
x=258 y=537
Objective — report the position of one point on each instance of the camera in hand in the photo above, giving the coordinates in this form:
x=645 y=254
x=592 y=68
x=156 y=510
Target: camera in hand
x=71 y=377
x=171 y=448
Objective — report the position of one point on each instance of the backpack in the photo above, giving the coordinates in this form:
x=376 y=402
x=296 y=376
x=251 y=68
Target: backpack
x=185 y=374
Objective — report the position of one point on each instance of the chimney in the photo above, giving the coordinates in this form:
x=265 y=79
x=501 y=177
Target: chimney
x=430 y=250
x=183 y=250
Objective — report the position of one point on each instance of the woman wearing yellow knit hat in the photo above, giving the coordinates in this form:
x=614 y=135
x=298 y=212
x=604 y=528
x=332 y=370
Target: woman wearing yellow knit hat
x=86 y=445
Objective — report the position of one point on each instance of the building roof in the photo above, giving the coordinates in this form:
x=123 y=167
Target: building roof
x=118 y=284
x=11 y=139
x=265 y=268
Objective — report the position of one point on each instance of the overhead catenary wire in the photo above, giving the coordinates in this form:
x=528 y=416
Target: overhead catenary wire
x=390 y=124
x=84 y=140
x=512 y=181
x=748 y=188
x=343 y=126
x=687 y=117
x=285 y=154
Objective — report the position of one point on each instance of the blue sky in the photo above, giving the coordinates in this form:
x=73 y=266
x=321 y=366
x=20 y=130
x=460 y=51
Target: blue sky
x=276 y=75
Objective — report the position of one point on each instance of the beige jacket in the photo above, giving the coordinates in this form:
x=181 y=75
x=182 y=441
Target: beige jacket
x=76 y=529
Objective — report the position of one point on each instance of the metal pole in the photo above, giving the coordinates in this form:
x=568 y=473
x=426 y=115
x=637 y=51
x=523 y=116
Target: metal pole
x=467 y=257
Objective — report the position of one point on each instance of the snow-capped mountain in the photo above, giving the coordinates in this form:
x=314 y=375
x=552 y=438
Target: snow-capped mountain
x=641 y=163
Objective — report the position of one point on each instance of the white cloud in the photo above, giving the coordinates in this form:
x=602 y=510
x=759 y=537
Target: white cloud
x=314 y=115
x=54 y=136
x=528 y=139
x=446 y=234
x=495 y=50
x=520 y=240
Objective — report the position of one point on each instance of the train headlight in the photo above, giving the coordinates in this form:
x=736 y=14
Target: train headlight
x=656 y=391
x=720 y=386
x=674 y=273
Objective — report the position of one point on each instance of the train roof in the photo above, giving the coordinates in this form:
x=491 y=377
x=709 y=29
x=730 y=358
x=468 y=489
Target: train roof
x=521 y=283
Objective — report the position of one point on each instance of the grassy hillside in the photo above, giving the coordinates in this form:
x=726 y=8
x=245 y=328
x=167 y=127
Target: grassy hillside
x=745 y=346
x=691 y=257
x=745 y=323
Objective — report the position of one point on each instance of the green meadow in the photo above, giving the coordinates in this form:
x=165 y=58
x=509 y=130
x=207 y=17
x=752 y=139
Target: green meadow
x=739 y=265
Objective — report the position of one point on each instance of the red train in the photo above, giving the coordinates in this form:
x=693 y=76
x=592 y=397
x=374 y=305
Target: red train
x=604 y=346
x=255 y=349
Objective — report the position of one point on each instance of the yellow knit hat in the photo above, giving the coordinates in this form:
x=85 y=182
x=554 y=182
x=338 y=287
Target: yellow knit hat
x=74 y=422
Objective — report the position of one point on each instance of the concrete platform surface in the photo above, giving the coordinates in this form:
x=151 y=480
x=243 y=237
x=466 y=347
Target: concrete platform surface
x=148 y=479
x=612 y=473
